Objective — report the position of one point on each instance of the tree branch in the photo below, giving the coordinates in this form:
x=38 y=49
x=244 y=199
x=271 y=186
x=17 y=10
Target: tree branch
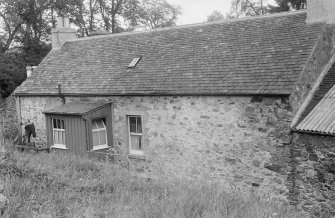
x=11 y=33
x=252 y=7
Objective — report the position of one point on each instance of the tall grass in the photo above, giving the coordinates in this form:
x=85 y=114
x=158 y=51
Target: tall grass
x=54 y=185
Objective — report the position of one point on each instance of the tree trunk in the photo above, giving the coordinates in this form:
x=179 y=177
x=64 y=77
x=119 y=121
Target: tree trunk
x=91 y=16
x=113 y=16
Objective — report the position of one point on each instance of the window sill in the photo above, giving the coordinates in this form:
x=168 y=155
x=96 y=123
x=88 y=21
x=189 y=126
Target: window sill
x=58 y=147
x=137 y=156
x=100 y=147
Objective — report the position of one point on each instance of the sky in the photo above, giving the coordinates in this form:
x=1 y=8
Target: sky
x=196 y=11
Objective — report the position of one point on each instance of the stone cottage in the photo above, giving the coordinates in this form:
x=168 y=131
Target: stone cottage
x=212 y=100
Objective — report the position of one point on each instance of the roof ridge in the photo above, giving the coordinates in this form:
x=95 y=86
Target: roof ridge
x=280 y=14
x=249 y=56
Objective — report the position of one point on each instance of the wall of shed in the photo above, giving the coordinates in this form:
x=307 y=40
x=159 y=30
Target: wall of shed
x=313 y=170
x=234 y=140
x=75 y=133
x=101 y=113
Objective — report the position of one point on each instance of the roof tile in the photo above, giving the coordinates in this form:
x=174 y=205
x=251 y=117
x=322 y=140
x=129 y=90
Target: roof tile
x=262 y=55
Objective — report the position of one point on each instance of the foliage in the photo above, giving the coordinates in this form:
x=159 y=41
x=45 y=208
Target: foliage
x=215 y=15
x=25 y=27
x=25 y=22
x=158 y=13
x=13 y=65
x=287 y=5
x=52 y=185
x=242 y=8
x=12 y=72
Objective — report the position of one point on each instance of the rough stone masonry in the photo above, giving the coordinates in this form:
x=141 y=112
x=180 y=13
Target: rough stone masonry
x=234 y=140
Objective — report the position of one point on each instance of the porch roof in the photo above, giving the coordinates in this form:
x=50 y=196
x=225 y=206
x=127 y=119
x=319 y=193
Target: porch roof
x=77 y=108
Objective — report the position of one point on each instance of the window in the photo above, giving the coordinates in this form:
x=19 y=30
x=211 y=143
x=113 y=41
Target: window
x=135 y=135
x=58 y=133
x=99 y=134
x=134 y=62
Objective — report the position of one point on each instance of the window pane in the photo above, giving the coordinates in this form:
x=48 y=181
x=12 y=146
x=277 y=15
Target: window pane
x=59 y=138
x=56 y=137
x=136 y=143
x=140 y=142
x=102 y=136
x=95 y=136
x=132 y=124
x=63 y=138
x=94 y=126
x=62 y=126
x=54 y=123
x=100 y=124
x=139 y=125
x=58 y=124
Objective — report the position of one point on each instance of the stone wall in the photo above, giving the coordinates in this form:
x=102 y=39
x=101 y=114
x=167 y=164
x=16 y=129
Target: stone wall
x=8 y=117
x=235 y=140
x=313 y=170
x=314 y=66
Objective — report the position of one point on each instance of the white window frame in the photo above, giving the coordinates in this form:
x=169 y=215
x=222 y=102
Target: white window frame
x=132 y=151
x=100 y=146
x=58 y=130
x=134 y=62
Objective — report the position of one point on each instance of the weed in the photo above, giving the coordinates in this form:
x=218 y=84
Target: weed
x=53 y=185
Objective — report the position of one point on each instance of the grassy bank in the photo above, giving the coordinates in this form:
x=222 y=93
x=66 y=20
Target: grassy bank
x=51 y=185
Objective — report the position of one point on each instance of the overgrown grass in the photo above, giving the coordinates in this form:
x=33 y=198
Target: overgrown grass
x=53 y=185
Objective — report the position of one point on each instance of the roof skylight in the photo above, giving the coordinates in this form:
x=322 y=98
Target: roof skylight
x=134 y=62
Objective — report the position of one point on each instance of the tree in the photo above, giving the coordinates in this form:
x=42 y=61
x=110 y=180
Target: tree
x=158 y=13
x=131 y=15
x=12 y=72
x=25 y=27
x=286 y=5
x=24 y=22
x=23 y=40
x=215 y=15
x=78 y=11
x=12 y=24
x=110 y=10
x=242 y=8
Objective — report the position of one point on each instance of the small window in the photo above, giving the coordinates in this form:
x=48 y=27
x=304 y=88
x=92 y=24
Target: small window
x=58 y=133
x=134 y=62
x=99 y=134
x=135 y=135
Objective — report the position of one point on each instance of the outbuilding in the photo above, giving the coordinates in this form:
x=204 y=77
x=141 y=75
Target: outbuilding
x=79 y=127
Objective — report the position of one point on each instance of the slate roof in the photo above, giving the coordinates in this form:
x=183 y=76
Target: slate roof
x=80 y=108
x=260 y=55
x=322 y=118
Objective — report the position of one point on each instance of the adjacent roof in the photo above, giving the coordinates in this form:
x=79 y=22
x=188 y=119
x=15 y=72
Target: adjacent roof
x=259 y=55
x=322 y=118
x=80 y=108
x=326 y=84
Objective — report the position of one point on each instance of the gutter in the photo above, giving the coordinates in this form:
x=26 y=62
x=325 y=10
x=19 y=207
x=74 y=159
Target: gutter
x=312 y=132
x=149 y=94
